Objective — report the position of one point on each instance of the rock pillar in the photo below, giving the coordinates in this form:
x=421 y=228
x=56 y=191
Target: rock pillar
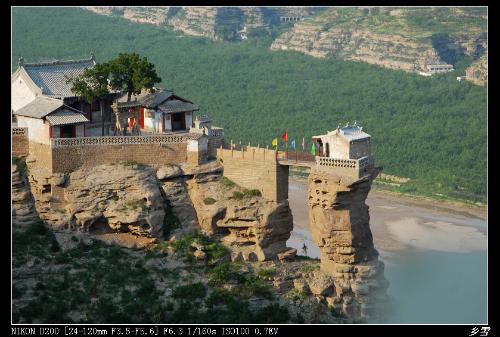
x=339 y=221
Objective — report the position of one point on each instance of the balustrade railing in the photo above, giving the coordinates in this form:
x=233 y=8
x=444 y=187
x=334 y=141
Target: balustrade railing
x=333 y=162
x=119 y=140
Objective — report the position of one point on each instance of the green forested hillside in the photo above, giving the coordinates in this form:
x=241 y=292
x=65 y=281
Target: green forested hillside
x=430 y=129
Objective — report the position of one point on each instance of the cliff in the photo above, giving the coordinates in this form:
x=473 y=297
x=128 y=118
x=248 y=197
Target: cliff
x=135 y=199
x=191 y=220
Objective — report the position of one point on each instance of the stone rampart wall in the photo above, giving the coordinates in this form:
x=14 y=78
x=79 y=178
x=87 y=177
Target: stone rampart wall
x=256 y=168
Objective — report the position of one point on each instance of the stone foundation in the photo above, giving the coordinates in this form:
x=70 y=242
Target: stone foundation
x=20 y=142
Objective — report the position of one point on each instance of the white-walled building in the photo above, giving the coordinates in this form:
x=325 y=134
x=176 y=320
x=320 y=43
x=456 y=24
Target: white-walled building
x=159 y=111
x=348 y=142
x=346 y=151
x=48 y=118
x=49 y=79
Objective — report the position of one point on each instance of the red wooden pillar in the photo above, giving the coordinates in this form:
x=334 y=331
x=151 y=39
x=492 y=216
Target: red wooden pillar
x=50 y=132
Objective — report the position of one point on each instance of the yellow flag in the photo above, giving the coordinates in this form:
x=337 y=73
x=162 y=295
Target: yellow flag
x=275 y=141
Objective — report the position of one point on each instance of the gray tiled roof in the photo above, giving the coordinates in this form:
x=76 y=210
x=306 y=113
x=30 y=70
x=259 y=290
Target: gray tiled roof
x=53 y=110
x=354 y=132
x=176 y=105
x=51 y=76
x=350 y=132
x=146 y=99
x=40 y=107
x=63 y=117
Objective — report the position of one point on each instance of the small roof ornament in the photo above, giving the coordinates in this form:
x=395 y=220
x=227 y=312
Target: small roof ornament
x=92 y=56
x=20 y=62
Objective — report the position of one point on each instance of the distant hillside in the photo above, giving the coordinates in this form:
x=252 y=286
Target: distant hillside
x=430 y=129
x=396 y=38
x=216 y=23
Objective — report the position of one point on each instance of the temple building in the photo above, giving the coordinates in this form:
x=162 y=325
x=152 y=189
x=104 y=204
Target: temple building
x=49 y=79
x=346 y=149
x=46 y=118
x=157 y=111
x=63 y=132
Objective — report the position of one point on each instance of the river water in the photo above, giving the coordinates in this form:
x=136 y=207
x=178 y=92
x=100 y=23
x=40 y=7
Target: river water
x=435 y=258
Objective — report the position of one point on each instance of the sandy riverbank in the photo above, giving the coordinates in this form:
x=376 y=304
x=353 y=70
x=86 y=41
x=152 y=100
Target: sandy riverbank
x=400 y=222
x=422 y=201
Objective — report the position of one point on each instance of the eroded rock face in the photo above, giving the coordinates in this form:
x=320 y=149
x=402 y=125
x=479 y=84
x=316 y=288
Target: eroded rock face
x=339 y=221
x=252 y=227
x=23 y=207
x=132 y=199
x=339 y=218
x=258 y=230
x=123 y=198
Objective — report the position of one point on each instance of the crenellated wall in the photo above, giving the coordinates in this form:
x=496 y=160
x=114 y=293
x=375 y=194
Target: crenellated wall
x=256 y=168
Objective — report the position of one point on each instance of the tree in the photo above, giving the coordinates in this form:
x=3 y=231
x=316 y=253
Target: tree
x=92 y=85
x=130 y=73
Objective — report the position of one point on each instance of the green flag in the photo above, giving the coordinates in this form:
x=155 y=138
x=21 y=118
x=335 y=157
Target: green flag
x=313 y=149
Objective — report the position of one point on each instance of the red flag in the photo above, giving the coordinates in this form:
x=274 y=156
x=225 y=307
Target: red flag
x=284 y=136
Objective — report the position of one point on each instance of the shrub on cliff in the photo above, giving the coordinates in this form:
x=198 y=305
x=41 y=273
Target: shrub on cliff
x=209 y=201
x=190 y=292
x=226 y=182
x=226 y=272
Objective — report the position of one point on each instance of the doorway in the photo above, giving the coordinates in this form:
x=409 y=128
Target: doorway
x=68 y=131
x=178 y=121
